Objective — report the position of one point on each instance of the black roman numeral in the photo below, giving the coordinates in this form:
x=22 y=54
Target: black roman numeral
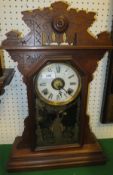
x=49 y=69
x=60 y=93
x=72 y=83
x=50 y=96
x=71 y=76
x=42 y=84
x=58 y=68
x=58 y=97
x=70 y=91
x=45 y=91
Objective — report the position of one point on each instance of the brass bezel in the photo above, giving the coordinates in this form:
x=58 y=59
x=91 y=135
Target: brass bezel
x=58 y=103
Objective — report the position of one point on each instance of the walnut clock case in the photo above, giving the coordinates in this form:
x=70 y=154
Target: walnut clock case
x=57 y=59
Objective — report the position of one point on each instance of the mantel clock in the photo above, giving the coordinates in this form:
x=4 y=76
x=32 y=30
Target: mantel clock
x=57 y=59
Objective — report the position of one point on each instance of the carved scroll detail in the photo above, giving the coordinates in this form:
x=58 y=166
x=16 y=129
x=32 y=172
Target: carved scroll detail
x=26 y=60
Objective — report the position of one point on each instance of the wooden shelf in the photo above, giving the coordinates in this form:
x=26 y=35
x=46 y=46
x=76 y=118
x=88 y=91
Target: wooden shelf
x=5 y=79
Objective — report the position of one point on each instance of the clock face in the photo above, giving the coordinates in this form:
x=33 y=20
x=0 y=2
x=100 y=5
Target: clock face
x=58 y=83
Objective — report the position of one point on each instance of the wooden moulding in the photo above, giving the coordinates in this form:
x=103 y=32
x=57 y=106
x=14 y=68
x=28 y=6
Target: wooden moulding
x=5 y=79
x=108 y=47
x=25 y=159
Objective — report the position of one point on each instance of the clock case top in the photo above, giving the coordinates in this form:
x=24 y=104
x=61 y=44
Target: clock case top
x=36 y=49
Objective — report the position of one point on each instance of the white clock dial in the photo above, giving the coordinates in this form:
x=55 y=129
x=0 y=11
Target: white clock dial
x=58 y=83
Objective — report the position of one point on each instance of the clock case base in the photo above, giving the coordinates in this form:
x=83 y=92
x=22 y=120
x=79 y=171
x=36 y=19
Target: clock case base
x=25 y=159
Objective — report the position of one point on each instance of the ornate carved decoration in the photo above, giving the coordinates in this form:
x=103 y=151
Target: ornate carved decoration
x=43 y=23
x=60 y=24
x=26 y=60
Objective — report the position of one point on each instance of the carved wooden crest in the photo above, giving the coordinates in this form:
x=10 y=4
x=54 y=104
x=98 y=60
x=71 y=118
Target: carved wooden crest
x=57 y=26
x=49 y=25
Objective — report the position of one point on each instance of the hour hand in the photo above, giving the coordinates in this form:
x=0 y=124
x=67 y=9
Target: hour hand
x=65 y=90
